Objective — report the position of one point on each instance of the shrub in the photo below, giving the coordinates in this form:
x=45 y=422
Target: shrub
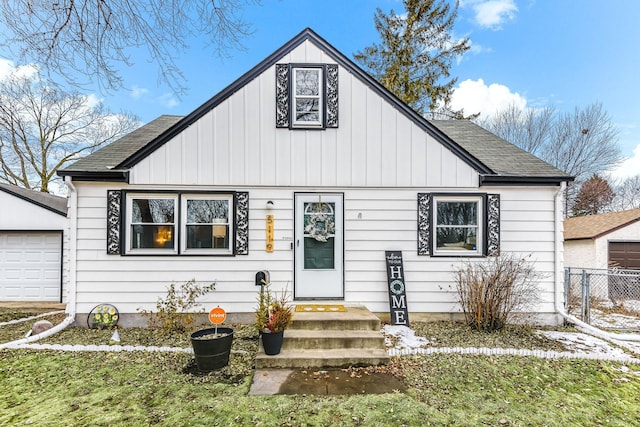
x=490 y=291
x=176 y=312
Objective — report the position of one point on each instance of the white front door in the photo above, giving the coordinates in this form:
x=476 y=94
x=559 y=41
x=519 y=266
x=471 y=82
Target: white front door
x=318 y=246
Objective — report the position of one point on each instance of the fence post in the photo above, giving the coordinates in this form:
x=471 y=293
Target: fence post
x=585 y=309
x=567 y=287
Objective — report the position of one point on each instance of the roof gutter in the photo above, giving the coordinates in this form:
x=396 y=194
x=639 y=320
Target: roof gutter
x=510 y=180
x=72 y=205
x=115 y=175
x=559 y=283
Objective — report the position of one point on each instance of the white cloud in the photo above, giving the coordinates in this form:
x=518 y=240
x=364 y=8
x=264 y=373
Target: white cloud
x=474 y=96
x=138 y=92
x=168 y=100
x=7 y=67
x=493 y=13
x=630 y=167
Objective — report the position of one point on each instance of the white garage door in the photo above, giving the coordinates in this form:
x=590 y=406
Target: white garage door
x=30 y=266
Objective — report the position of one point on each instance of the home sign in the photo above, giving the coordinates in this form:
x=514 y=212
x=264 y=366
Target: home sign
x=397 y=295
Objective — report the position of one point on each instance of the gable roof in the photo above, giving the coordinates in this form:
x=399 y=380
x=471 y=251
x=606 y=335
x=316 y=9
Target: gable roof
x=47 y=201
x=113 y=163
x=594 y=226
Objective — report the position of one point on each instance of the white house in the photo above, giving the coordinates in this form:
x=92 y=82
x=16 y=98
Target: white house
x=33 y=245
x=602 y=241
x=310 y=144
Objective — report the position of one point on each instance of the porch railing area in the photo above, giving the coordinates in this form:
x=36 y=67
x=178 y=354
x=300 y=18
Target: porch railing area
x=607 y=299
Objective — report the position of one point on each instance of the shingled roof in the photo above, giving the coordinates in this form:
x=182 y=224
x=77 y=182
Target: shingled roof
x=106 y=159
x=48 y=201
x=594 y=226
x=503 y=158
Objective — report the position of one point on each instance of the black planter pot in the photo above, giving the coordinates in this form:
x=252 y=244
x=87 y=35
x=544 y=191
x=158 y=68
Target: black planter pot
x=272 y=342
x=212 y=353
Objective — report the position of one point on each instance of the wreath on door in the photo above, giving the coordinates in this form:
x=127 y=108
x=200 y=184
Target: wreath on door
x=320 y=226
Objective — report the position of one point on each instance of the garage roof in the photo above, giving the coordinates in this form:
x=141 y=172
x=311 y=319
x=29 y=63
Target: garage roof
x=48 y=201
x=594 y=226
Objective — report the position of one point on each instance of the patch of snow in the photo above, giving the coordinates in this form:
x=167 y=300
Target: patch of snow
x=583 y=343
x=405 y=336
x=613 y=320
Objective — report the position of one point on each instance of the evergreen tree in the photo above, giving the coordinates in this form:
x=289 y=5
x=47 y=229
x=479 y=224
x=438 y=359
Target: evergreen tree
x=415 y=53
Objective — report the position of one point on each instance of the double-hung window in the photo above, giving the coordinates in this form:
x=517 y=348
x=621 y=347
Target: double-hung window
x=152 y=223
x=307 y=99
x=458 y=225
x=179 y=223
x=207 y=227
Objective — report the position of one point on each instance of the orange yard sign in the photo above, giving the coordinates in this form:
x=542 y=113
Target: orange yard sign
x=217 y=315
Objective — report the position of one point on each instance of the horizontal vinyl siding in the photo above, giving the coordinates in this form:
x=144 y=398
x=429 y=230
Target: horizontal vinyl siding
x=375 y=220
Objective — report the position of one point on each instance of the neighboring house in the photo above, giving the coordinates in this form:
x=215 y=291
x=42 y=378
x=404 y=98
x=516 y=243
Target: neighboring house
x=347 y=171
x=33 y=243
x=603 y=241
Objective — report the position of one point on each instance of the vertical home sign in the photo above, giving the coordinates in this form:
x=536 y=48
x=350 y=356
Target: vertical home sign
x=397 y=294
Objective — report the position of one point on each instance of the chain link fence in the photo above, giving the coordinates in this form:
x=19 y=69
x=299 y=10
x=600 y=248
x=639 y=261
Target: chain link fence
x=606 y=299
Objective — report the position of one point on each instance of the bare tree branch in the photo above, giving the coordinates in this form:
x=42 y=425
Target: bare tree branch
x=90 y=39
x=581 y=143
x=42 y=128
x=627 y=194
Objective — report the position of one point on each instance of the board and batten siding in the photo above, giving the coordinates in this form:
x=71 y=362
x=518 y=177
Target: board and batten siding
x=237 y=144
x=375 y=220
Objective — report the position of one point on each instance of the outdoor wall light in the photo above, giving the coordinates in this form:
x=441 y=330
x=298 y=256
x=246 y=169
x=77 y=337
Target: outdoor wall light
x=269 y=204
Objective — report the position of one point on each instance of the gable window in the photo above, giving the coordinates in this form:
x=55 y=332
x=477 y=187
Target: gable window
x=207 y=227
x=457 y=225
x=307 y=97
x=152 y=223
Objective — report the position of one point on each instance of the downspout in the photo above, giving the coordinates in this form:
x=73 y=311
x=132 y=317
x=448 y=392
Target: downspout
x=72 y=214
x=559 y=281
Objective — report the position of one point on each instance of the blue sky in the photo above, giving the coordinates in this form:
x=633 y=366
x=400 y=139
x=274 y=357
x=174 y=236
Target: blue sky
x=561 y=53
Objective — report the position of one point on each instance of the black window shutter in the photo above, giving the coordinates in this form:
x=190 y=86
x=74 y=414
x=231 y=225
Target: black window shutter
x=493 y=225
x=282 y=96
x=424 y=224
x=331 y=87
x=114 y=222
x=241 y=223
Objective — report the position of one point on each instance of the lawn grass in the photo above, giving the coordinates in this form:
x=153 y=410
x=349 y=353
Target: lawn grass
x=52 y=388
x=136 y=388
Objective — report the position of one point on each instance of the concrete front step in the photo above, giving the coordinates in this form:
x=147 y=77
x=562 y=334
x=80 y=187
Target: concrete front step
x=355 y=318
x=322 y=358
x=301 y=339
x=329 y=340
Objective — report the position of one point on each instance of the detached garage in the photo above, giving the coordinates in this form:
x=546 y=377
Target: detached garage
x=33 y=229
x=603 y=241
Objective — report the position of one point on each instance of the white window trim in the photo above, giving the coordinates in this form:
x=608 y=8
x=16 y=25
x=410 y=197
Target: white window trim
x=129 y=232
x=480 y=226
x=321 y=93
x=183 y=224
